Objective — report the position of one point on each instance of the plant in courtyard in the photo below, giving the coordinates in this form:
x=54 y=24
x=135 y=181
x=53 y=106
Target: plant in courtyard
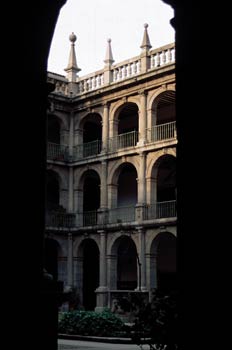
x=91 y=323
x=156 y=323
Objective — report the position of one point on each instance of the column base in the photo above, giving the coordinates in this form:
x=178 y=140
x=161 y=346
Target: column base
x=102 y=298
x=141 y=289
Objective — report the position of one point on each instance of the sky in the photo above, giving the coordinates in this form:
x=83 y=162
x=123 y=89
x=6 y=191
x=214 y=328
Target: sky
x=95 y=21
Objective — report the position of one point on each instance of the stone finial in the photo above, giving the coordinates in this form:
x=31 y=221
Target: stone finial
x=109 y=56
x=146 y=45
x=72 y=68
x=72 y=37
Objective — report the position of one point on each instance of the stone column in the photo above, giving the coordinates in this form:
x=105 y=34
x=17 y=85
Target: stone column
x=113 y=132
x=142 y=118
x=151 y=190
x=70 y=190
x=102 y=212
x=70 y=260
x=78 y=137
x=64 y=197
x=105 y=127
x=64 y=137
x=112 y=271
x=142 y=179
x=104 y=193
x=142 y=261
x=78 y=265
x=112 y=195
x=153 y=271
x=71 y=135
x=102 y=290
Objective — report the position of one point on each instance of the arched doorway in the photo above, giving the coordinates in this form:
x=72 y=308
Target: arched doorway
x=92 y=134
x=163 y=263
x=166 y=108
x=128 y=118
x=126 y=264
x=127 y=186
x=91 y=197
x=90 y=273
x=166 y=179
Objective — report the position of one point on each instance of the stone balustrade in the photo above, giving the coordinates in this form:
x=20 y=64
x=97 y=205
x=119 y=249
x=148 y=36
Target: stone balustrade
x=158 y=58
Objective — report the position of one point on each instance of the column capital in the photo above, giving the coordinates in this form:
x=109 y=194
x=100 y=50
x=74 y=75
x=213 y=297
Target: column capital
x=101 y=232
x=140 y=229
x=106 y=104
x=142 y=92
x=142 y=153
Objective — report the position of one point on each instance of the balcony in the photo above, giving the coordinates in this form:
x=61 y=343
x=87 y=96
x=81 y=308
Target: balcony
x=57 y=152
x=60 y=220
x=145 y=214
x=161 y=132
x=122 y=215
x=88 y=149
x=160 y=210
x=158 y=133
x=123 y=141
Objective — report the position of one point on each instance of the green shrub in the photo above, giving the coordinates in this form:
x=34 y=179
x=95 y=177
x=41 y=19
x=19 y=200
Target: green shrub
x=91 y=323
x=157 y=321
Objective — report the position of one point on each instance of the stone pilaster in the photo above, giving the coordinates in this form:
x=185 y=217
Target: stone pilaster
x=102 y=290
x=105 y=127
x=71 y=134
x=70 y=190
x=142 y=118
x=142 y=179
x=64 y=137
x=70 y=260
x=142 y=260
x=104 y=199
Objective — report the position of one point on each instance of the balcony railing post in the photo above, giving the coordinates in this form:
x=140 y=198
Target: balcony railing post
x=102 y=216
x=139 y=212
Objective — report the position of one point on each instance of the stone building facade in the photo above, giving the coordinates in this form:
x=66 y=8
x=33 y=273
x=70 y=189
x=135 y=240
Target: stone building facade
x=111 y=176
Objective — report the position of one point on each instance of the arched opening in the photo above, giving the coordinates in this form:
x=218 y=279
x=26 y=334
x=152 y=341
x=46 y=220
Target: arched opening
x=166 y=179
x=51 y=257
x=127 y=186
x=126 y=264
x=163 y=117
x=53 y=129
x=92 y=134
x=91 y=191
x=91 y=197
x=166 y=108
x=163 y=263
x=127 y=126
x=52 y=191
x=166 y=263
x=90 y=273
x=128 y=118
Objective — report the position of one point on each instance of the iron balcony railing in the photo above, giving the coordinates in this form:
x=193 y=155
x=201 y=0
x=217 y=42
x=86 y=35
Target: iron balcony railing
x=57 y=152
x=121 y=214
x=121 y=141
x=90 y=218
x=162 y=132
x=117 y=215
x=87 y=149
x=60 y=219
x=160 y=210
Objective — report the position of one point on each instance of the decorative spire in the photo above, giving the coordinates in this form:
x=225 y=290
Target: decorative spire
x=109 y=56
x=72 y=68
x=146 y=45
